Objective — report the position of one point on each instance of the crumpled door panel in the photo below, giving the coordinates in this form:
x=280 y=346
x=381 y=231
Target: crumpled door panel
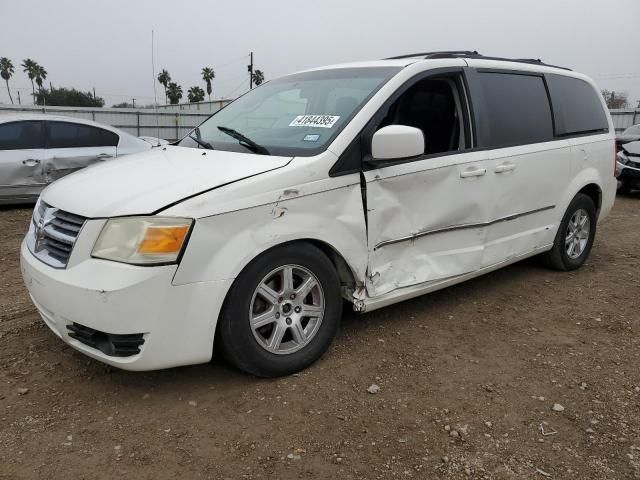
x=21 y=167
x=64 y=163
x=425 y=225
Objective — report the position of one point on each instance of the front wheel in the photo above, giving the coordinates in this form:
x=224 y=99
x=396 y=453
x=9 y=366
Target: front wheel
x=282 y=311
x=575 y=235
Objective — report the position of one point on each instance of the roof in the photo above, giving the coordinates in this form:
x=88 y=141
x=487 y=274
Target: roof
x=13 y=117
x=470 y=57
x=471 y=54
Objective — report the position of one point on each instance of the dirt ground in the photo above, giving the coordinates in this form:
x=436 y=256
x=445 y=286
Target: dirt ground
x=468 y=379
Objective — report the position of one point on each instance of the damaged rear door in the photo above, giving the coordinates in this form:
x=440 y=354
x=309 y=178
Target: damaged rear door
x=21 y=160
x=73 y=146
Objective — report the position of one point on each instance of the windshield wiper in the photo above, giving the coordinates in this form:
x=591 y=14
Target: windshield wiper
x=196 y=138
x=246 y=141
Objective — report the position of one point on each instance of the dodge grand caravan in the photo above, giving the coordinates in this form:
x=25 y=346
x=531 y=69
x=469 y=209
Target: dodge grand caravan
x=370 y=182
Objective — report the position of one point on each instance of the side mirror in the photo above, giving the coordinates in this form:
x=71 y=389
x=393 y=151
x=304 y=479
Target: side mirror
x=396 y=142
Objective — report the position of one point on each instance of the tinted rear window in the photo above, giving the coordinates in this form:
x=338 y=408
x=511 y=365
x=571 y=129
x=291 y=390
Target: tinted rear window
x=70 y=135
x=576 y=106
x=516 y=110
x=21 y=135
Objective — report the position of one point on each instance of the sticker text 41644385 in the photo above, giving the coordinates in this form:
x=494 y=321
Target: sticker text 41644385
x=318 y=121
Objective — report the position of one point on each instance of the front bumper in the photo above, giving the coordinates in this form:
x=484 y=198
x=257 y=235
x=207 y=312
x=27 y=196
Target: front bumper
x=625 y=173
x=177 y=321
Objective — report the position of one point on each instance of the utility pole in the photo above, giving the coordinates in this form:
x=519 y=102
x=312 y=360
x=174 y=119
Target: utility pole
x=250 y=68
x=134 y=102
x=94 y=94
x=19 y=103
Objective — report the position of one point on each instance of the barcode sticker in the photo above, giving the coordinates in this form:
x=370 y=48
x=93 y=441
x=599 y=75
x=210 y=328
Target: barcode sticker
x=318 y=121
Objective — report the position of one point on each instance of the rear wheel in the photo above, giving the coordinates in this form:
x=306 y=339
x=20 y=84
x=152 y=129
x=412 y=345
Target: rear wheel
x=575 y=235
x=282 y=311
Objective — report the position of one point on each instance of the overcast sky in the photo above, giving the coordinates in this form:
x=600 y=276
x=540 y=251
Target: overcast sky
x=107 y=44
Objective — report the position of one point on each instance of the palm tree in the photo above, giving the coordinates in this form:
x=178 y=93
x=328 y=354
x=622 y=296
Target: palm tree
x=174 y=92
x=6 y=72
x=29 y=67
x=40 y=76
x=208 y=75
x=195 y=94
x=164 y=78
x=258 y=77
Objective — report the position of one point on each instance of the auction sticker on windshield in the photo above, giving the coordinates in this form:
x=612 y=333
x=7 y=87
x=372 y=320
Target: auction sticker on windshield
x=319 y=121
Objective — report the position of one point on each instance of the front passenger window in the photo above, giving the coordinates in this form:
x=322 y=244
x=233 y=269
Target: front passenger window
x=433 y=106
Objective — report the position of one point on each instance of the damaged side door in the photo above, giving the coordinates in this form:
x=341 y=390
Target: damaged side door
x=73 y=146
x=427 y=220
x=428 y=216
x=21 y=160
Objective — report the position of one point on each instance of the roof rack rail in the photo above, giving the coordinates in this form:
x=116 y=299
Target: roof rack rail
x=429 y=54
x=474 y=54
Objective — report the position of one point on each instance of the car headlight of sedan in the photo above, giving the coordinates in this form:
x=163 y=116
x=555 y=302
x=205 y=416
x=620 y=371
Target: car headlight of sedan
x=143 y=240
x=622 y=158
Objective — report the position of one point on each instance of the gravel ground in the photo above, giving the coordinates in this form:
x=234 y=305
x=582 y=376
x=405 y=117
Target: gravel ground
x=522 y=373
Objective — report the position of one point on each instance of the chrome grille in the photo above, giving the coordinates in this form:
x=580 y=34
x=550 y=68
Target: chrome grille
x=53 y=233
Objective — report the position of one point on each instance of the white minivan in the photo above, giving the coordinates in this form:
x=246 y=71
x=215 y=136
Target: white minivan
x=371 y=182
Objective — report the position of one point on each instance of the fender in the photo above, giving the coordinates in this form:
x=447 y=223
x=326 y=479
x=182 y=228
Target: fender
x=222 y=245
x=585 y=177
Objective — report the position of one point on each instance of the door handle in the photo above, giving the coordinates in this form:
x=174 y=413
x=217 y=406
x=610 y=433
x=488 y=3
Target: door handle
x=31 y=162
x=104 y=155
x=473 y=172
x=505 y=167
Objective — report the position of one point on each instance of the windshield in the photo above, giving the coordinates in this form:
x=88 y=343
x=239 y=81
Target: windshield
x=635 y=130
x=295 y=115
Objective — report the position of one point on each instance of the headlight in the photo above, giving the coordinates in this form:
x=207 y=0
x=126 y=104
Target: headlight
x=142 y=240
x=622 y=158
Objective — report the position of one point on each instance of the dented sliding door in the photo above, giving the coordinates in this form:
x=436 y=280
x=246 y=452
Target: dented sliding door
x=427 y=220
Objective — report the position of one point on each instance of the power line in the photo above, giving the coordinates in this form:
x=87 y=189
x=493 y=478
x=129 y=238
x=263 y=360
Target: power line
x=242 y=83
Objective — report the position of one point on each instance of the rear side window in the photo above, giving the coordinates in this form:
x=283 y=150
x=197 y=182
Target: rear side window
x=516 y=110
x=21 y=135
x=576 y=106
x=74 y=135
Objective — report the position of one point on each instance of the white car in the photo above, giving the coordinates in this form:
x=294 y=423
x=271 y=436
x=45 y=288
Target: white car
x=372 y=182
x=37 y=149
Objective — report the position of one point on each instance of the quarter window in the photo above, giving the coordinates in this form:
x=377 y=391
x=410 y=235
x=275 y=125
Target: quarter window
x=576 y=106
x=516 y=110
x=74 y=135
x=21 y=135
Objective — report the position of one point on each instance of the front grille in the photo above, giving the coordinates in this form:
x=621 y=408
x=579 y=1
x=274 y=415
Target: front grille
x=53 y=234
x=112 y=344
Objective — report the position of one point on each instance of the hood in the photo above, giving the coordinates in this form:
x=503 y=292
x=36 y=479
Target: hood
x=627 y=138
x=632 y=148
x=146 y=182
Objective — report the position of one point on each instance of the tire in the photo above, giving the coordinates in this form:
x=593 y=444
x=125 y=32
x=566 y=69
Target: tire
x=260 y=294
x=561 y=257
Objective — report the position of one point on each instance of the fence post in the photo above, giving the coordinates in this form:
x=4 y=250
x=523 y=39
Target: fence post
x=93 y=115
x=138 y=124
x=177 y=130
x=635 y=113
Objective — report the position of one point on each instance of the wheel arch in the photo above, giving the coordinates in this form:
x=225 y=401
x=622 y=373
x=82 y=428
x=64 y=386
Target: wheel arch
x=588 y=182
x=593 y=191
x=346 y=274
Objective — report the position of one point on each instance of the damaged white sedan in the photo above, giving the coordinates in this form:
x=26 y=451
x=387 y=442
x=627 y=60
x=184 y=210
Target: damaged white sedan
x=36 y=149
x=371 y=182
